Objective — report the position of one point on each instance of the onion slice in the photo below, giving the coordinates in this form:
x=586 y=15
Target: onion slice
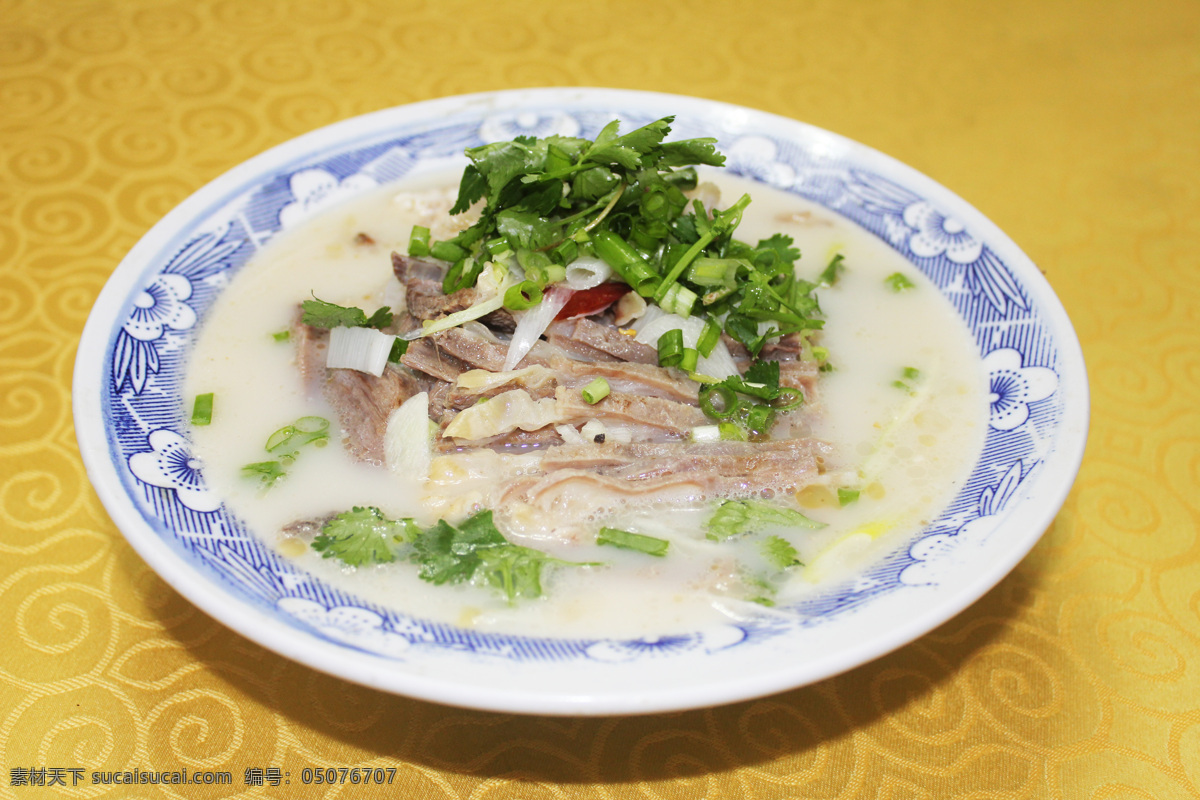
x=533 y=324
x=407 y=440
x=363 y=349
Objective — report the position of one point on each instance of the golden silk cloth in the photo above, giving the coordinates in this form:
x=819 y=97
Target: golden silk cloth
x=1075 y=127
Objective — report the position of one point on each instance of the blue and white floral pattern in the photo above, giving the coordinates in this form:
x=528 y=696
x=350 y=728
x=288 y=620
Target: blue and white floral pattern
x=758 y=157
x=352 y=625
x=935 y=233
x=169 y=464
x=162 y=309
x=144 y=412
x=934 y=554
x=538 y=124
x=317 y=189
x=1013 y=387
x=932 y=238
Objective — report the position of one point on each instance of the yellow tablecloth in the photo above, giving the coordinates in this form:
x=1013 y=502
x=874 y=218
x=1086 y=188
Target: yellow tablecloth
x=1074 y=126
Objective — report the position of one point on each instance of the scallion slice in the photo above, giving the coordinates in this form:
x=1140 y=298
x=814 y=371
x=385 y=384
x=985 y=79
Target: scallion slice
x=418 y=241
x=689 y=360
x=595 y=391
x=525 y=294
x=202 y=409
x=708 y=337
x=638 y=542
x=787 y=399
x=670 y=348
x=625 y=261
x=727 y=398
x=448 y=251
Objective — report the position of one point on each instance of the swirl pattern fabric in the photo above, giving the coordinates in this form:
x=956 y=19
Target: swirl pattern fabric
x=1077 y=676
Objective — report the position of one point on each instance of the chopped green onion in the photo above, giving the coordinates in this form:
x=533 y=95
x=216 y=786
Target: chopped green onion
x=731 y=432
x=202 y=409
x=418 y=241
x=448 y=251
x=678 y=300
x=281 y=336
x=787 y=399
x=595 y=391
x=670 y=348
x=626 y=540
x=898 y=282
x=689 y=360
x=759 y=419
x=706 y=433
x=707 y=271
x=846 y=496
x=525 y=294
x=911 y=373
x=453 y=277
x=625 y=261
x=708 y=337
x=498 y=246
x=728 y=401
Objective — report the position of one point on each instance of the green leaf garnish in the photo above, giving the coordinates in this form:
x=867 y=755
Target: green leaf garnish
x=321 y=314
x=638 y=542
x=780 y=553
x=734 y=517
x=898 y=282
x=363 y=536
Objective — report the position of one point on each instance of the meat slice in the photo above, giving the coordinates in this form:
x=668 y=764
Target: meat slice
x=595 y=475
x=630 y=378
x=588 y=340
x=800 y=375
x=425 y=356
x=422 y=281
x=472 y=348
x=653 y=417
x=363 y=402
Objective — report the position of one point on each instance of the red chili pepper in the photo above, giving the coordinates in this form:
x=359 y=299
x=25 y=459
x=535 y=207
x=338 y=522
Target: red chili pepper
x=586 y=302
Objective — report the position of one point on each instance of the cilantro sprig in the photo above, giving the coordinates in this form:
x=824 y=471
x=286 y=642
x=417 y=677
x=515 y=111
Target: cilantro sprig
x=621 y=198
x=362 y=536
x=735 y=517
x=321 y=314
x=474 y=551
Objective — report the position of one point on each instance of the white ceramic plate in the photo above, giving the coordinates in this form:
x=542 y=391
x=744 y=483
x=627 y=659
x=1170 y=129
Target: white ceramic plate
x=132 y=429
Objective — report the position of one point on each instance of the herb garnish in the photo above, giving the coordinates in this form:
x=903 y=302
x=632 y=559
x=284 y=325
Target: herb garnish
x=621 y=198
x=321 y=314
x=473 y=551
x=735 y=517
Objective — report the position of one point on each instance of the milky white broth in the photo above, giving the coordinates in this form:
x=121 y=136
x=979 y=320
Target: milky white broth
x=909 y=451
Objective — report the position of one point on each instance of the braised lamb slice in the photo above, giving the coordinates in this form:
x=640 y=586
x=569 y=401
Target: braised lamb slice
x=645 y=473
x=586 y=339
x=422 y=281
x=363 y=403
